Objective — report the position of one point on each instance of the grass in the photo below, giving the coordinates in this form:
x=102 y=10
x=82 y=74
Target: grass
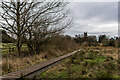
x=14 y=64
x=11 y=63
x=7 y=46
x=89 y=63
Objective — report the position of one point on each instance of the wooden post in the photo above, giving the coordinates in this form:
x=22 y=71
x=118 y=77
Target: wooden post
x=12 y=49
x=6 y=64
x=8 y=59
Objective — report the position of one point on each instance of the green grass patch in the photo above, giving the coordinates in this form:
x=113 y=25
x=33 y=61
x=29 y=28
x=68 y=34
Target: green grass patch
x=6 y=47
x=85 y=64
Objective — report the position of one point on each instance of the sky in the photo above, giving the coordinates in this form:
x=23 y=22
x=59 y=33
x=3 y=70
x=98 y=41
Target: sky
x=96 y=18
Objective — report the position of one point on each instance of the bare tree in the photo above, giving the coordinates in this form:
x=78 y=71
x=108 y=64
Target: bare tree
x=53 y=21
x=14 y=14
x=33 y=20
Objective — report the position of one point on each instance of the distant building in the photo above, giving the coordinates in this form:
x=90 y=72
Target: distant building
x=86 y=40
x=85 y=34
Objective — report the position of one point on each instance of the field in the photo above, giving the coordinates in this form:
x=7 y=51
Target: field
x=91 y=62
x=10 y=47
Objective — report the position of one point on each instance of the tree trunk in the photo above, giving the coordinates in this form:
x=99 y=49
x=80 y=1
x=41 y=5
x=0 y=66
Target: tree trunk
x=18 y=29
x=37 y=49
x=30 y=47
x=18 y=45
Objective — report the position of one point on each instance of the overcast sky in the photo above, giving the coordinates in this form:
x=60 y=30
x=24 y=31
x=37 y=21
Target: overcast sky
x=94 y=17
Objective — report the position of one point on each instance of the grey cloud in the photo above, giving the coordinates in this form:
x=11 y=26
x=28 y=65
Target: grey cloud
x=87 y=16
x=106 y=10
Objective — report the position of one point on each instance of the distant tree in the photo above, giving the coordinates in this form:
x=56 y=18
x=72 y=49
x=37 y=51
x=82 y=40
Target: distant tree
x=91 y=39
x=117 y=42
x=87 y=39
x=102 y=38
x=111 y=42
x=79 y=39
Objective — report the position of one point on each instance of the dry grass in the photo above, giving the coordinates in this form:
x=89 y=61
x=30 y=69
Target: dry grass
x=11 y=63
x=14 y=64
x=111 y=51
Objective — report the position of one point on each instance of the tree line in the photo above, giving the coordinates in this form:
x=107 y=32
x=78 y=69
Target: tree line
x=102 y=40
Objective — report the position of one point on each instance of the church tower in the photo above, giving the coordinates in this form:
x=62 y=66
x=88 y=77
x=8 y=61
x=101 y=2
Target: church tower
x=85 y=34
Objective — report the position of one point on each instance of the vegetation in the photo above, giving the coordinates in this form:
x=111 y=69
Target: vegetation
x=33 y=32
x=88 y=63
x=48 y=51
